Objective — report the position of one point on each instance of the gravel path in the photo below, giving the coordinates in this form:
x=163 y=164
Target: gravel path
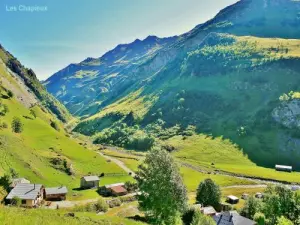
x=119 y=163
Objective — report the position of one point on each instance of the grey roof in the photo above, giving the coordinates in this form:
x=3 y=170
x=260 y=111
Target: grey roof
x=16 y=181
x=114 y=185
x=25 y=191
x=91 y=178
x=232 y=218
x=56 y=190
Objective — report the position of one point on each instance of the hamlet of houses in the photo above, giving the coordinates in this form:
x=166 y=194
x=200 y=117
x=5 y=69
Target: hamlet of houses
x=32 y=195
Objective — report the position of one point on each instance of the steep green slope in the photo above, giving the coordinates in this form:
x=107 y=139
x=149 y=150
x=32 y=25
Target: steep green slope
x=85 y=87
x=228 y=86
x=16 y=69
x=41 y=153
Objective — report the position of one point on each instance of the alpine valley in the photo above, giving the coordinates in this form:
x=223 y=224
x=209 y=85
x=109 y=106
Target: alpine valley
x=234 y=79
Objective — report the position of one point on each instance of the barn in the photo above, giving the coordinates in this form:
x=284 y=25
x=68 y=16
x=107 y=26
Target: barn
x=87 y=182
x=56 y=193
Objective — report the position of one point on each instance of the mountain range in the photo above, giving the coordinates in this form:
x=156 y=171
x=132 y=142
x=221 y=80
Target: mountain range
x=235 y=76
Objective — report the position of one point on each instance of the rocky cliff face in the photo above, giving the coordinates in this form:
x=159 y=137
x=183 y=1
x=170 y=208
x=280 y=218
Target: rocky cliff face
x=288 y=114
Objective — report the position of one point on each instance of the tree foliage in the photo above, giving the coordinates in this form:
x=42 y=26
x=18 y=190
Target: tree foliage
x=163 y=194
x=208 y=193
x=17 y=125
x=200 y=219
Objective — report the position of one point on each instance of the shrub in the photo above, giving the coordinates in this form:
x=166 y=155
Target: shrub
x=10 y=93
x=114 y=203
x=3 y=125
x=101 y=206
x=17 y=125
x=128 y=198
x=16 y=201
x=259 y=218
x=131 y=186
x=54 y=125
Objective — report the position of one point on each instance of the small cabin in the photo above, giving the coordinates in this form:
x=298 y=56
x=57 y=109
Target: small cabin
x=88 y=182
x=117 y=189
x=259 y=195
x=245 y=196
x=231 y=199
x=208 y=211
x=56 y=193
x=31 y=195
x=284 y=168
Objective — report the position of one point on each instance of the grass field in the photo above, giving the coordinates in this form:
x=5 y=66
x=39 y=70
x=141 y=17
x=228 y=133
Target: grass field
x=15 y=216
x=131 y=161
x=30 y=152
x=202 y=151
x=231 y=191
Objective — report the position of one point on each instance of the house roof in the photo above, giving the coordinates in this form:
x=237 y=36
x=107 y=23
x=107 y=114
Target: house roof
x=114 y=185
x=91 y=178
x=208 y=210
x=118 y=189
x=56 y=190
x=25 y=191
x=232 y=218
x=232 y=197
x=19 y=181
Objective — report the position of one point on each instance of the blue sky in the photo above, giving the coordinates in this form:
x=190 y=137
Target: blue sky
x=72 y=30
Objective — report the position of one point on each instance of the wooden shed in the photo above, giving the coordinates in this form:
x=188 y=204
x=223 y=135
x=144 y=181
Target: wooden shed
x=89 y=182
x=56 y=193
x=232 y=199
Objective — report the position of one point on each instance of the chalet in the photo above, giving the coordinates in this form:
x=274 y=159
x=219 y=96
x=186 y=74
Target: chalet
x=56 y=193
x=283 y=168
x=245 y=196
x=259 y=195
x=232 y=199
x=89 y=182
x=113 y=190
x=30 y=194
x=232 y=218
x=16 y=181
x=208 y=211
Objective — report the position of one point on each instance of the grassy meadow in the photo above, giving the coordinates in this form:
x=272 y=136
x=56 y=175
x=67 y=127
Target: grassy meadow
x=30 y=153
x=15 y=216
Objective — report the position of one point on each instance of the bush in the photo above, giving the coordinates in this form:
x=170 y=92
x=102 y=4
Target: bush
x=101 y=206
x=10 y=93
x=16 y=201
x=200 y=219
x=114 y=203
x=131 y=186
x=17 y=125
x=128 y=199
x=259 y=218
x=3 y=125
x=54 y=125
